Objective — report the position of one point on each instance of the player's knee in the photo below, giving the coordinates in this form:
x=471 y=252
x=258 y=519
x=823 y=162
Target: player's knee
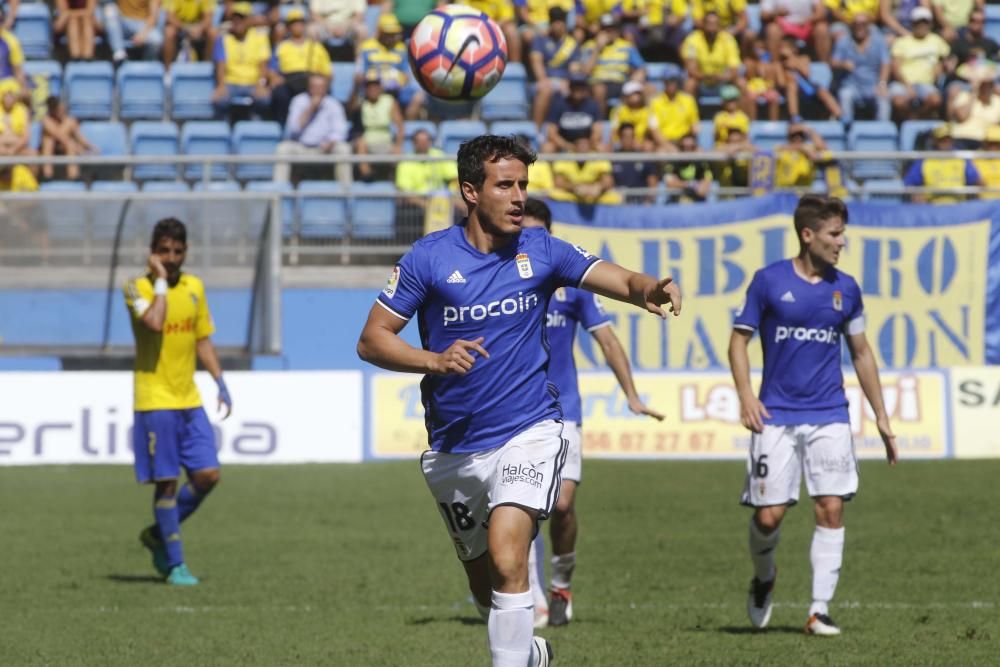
x=206 y=480
x=767 y=522
x=166 y=488
x=564 y=506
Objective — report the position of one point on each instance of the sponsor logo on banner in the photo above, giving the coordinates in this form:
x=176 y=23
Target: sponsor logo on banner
x=975 y=395
x=278 y=417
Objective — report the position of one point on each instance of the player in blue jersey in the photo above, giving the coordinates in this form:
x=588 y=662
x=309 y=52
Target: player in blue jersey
x=802 y=308
x=479 y=291
x=569 y=307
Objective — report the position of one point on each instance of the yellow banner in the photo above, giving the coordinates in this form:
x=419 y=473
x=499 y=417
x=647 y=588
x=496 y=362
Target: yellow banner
x=924 y=288
x=702 y=417
x=975 y=410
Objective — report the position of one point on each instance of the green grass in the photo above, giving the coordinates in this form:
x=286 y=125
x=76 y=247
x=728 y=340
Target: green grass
x=350 y=565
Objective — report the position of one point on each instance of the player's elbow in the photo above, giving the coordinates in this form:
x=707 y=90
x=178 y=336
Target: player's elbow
x=153 y=325
x=364 y=348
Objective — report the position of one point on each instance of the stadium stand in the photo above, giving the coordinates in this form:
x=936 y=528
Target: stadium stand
x=206 y=137
x=255 y=137
x=451 y=133
x=873 y=135
x=154 y=138
x=33 y=28
x=90 y=90
x=191 y=91
x=373 y=213
x=322 y=210
x=141 y=91
x=50 y=70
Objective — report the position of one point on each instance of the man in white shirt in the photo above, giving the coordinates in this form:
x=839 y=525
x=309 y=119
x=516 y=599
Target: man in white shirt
x=317 y=125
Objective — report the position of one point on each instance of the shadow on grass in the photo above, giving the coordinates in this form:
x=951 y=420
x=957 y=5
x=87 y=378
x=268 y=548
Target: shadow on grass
x=134 y=578
x=464 y=620
x=743 y=630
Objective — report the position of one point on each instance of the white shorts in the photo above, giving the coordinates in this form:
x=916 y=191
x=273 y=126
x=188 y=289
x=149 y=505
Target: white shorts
x=526 y=471
x=782 y=455
x=573 y=470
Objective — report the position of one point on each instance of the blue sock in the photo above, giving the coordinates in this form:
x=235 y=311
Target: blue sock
x=169 y=524
x=188 y=500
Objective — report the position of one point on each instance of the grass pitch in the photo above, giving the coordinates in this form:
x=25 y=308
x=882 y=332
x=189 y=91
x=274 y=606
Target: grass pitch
x=350 y=565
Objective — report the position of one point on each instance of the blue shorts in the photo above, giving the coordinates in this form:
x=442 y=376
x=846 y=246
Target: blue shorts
x=164 y=441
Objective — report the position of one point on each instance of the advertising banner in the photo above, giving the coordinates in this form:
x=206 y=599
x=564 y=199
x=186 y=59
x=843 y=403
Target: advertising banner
x=975 y=396
x=278 y=417
x=703 y=416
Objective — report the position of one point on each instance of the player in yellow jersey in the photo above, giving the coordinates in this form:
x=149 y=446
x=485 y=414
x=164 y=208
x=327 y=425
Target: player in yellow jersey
x=172 y=325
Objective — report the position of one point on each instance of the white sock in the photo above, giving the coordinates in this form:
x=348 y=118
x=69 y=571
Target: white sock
x=826 y=554
x=562 y=569
x=762 y=551
x=535 y=574
x=484 y=612
x=510 y=628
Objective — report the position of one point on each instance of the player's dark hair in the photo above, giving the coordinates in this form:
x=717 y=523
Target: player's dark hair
x=170 y=228
x=475 y=153
x=813 y=210
x=539 y=210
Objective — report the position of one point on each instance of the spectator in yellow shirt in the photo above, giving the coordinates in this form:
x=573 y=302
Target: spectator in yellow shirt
x=675 y=112
x=732 y=14
x=917 y=62
x=633 y=110
x=795 y=161
x=241 y=60
x=583 y=180
x=941 y=172
x=610 y=60
x=711 y=58
x=417 y=179
x=502 y=11
x=690 y=179
x=188 y=21
x=989 y=168
x=731 y=116
x=15 y=123
x=296 y=59
x=11 y=58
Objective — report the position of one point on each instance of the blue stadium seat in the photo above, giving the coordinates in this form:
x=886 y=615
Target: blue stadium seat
x=832 y=132
x=89 y=89
x=154 y=138
x=108 y=136
x=33 y=28
x=323 y=209
x=516 y=127
x=165 y=186
x=657 y=72
x=343 y=81
x=371 y=18
x=104 y=214
x=767 y=134
x=507 y=101
x=706 y=135
x=255 y=137
x=35 y=135
x=821 y=74
x=515 y=71
x=289 y=223
x=873 y=135
x=373 y=210
x=62 y=217
x=993 y=22
x=911 y=130
x=206 y=137
x=191 y=91
x=884 y=189
x=141 y=93
x=50 y=70
x=216 y=186
x=451 y=133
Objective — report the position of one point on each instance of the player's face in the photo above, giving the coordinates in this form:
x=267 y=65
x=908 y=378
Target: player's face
x=171 y=252
x=500 y=202
x=825 y=243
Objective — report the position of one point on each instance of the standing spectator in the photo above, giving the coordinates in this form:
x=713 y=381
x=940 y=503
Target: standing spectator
x=188 y=26
x=795 y=161
x=941 y=172
x=386 y=54
x=583 y=180
x=953 y=15
x=610 y=60
x=417 y=179
x=296 y=60
x=675 y=111
x=636 y=113
x=339 y=23
x=800 y=87
x=989 y=168
x=241 y=66
x=61 y=135
x=573 y=116
x=862 y=58
x=134 y=21
x=76 y=20
x=711 y=57
x=15 y=123
x=551 y=56
x=805 y=20
x=380 y=118
x=692 y=177
x=917 y=62
x=11 y=58
x=731 y=117
x=317 y=125
x=975 y=111
x=894 y=16
x=732 y=14
x=633 y=175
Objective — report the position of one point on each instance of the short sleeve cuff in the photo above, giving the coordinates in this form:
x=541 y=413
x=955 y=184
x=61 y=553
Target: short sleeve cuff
x=587 y=272
x=744 y=327
x=856 y=326
x=599 y=325
x=399 y=315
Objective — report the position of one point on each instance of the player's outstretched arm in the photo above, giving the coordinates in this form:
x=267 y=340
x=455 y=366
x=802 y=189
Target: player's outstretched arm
x=867 y=370
x=615 y=355
x=210 y=360
x=646 y=292
x=381 y=345
x=752 y=411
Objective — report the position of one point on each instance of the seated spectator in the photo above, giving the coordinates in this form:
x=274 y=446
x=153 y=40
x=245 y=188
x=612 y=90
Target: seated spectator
x=952 y=16
x=610 y=60
x=971 y=46
x=894 y=16
x=17 y=178
x=917 y=62
x=379 y=118
x=765 y=79
x=692 y=178
x=804 y=20
x=862 y=59
x=317 y=125
x=386 y=55
x=241 y=60
x=989 y=168
x=76 y=20
x=732 y=14
x=711 y=58
x=975 y=111
x=11 y=58
x=502 y=11
x=657 y=27
x=583 y=180
x=635 y=112
x=736 y=172
x=551 y=56
x=573 y=116
x=941 y=172
x=132 y=24
x=731 y=117
x=795 y=161
x=61 y=135
x=534 y=18
x=188 y=26
x=296 y=60
x=15 y=123
x=843 y=12
x=800 y=88
x=417 y=179
x=633 y=175
x=676 y=113
x=339 y=23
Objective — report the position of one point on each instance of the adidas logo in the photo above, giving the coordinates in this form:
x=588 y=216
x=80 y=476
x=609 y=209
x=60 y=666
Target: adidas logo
x=455 y=278
x=787 y=297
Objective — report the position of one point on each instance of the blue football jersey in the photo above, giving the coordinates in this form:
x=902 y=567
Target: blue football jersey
x=567 y=308
x=801 y=325
x=458 y=292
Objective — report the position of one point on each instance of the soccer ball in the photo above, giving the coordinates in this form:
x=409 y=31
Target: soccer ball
x=457 y=53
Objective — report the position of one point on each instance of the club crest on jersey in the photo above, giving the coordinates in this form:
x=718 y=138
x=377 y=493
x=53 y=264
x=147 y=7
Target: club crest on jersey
x=393 y=283
x=838 y=300
x=560 y=294
x=523 y=265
